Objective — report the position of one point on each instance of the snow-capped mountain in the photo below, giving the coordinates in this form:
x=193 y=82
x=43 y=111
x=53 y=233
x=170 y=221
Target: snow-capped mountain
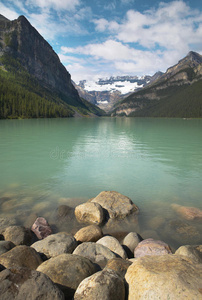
x=105 y=92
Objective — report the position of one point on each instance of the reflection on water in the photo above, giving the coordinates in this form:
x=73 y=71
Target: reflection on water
x=156 y=162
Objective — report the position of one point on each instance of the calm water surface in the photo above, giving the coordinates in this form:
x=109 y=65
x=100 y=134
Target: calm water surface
x=156 y=162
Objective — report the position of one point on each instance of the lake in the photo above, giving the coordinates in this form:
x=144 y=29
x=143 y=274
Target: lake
x=156 y=162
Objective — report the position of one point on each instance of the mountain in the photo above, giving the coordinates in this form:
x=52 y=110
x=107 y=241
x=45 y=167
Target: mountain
x=106 y=92
x=33 y=81
x=176 y=93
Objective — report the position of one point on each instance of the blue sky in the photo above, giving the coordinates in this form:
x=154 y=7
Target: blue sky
x=100 y=38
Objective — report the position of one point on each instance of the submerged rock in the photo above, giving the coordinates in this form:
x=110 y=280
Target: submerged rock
x=106 y=284
x=21 y=256
x=67 y=271
x=115 y=204
x=56 y=244
x=164 y=277
x=90 y=213
x=5 y=222
x=19 y=235
x=188 y=213
x=41 y=228
x=22 y=283
x=151 y=247
x=90 y=233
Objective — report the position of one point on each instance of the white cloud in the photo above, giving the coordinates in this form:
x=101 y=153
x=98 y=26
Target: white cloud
x=55 y=4
x=7 y=12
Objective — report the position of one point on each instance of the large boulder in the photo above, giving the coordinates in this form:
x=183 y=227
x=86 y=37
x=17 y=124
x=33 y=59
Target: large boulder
x=106 y=284
x=90 y=233
x=97 y=253
x=186 y=212
x=119 y=265
x=19 y=235
x=21 y=256
x=113 y=244
x=5 y=246
x=164 y=277
x=56 y=244
x=22 y=283
x=192 y=252
x=41 y=228
x=90 y=213
x=115 y=204
x=151 y=247
x=67 y=271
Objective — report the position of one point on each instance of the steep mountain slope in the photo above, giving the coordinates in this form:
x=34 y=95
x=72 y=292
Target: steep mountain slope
x=31 y=70
x=177 y=93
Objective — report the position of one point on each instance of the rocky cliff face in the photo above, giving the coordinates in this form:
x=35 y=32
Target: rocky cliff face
x=175 y=93
x=22 y=41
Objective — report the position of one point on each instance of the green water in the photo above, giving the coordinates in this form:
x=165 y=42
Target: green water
x=156 y=162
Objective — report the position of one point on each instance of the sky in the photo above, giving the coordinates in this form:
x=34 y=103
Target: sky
x=101 y=38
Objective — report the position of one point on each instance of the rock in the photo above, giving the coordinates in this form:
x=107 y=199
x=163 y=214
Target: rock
x=97 y=253
x=156 y=222
x=63 y=211
x=56 y=244
x=21 y=256
x=5 y=246
x=115 y=204
x=119 y=265
x=183 y=232
x=30 y=220
x=132 y=240
x=90 y=233
x=147 y=234
x=2 y=268
x=192 y=252
x=41 y=228
x=188 y=213
x=151 y=247
x=5 y=222
x=19 y=235
x=67 y=270
x=90 y=213
x=22 y=283
x=113 y=244
x=164 y=277
x=106 y=284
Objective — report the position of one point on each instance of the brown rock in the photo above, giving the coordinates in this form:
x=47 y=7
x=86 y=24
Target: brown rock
x=192 y=252
x=164 y=277
x=90 y=213
x=151 y=247
x=21 y=256
x=41 y=228
x=188 y=213
x=116 y=204
x=67 y=270
x=119 y=265
x=19 y=235
x=90 y=233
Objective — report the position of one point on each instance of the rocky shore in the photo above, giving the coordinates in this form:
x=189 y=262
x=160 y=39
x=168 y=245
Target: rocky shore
x=37 y=262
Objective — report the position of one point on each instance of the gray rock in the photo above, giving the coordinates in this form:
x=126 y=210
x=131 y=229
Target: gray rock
x=119 y=265
x=192 y=252
x=115 y=204
x=19 y=235
x=41 y=228
x=22 y=283
x=131 y=241
x=5 y=246
x=90 y=213
x=56 y=244
x=90 y=233
x=151 y=247
x=67 y=270
x=21 y=256
x=164 y=277
x=113 y=244
x=103 y=285
x=97 y=253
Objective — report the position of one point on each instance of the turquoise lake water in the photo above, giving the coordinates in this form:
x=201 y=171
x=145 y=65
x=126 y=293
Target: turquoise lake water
x=155 y=162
